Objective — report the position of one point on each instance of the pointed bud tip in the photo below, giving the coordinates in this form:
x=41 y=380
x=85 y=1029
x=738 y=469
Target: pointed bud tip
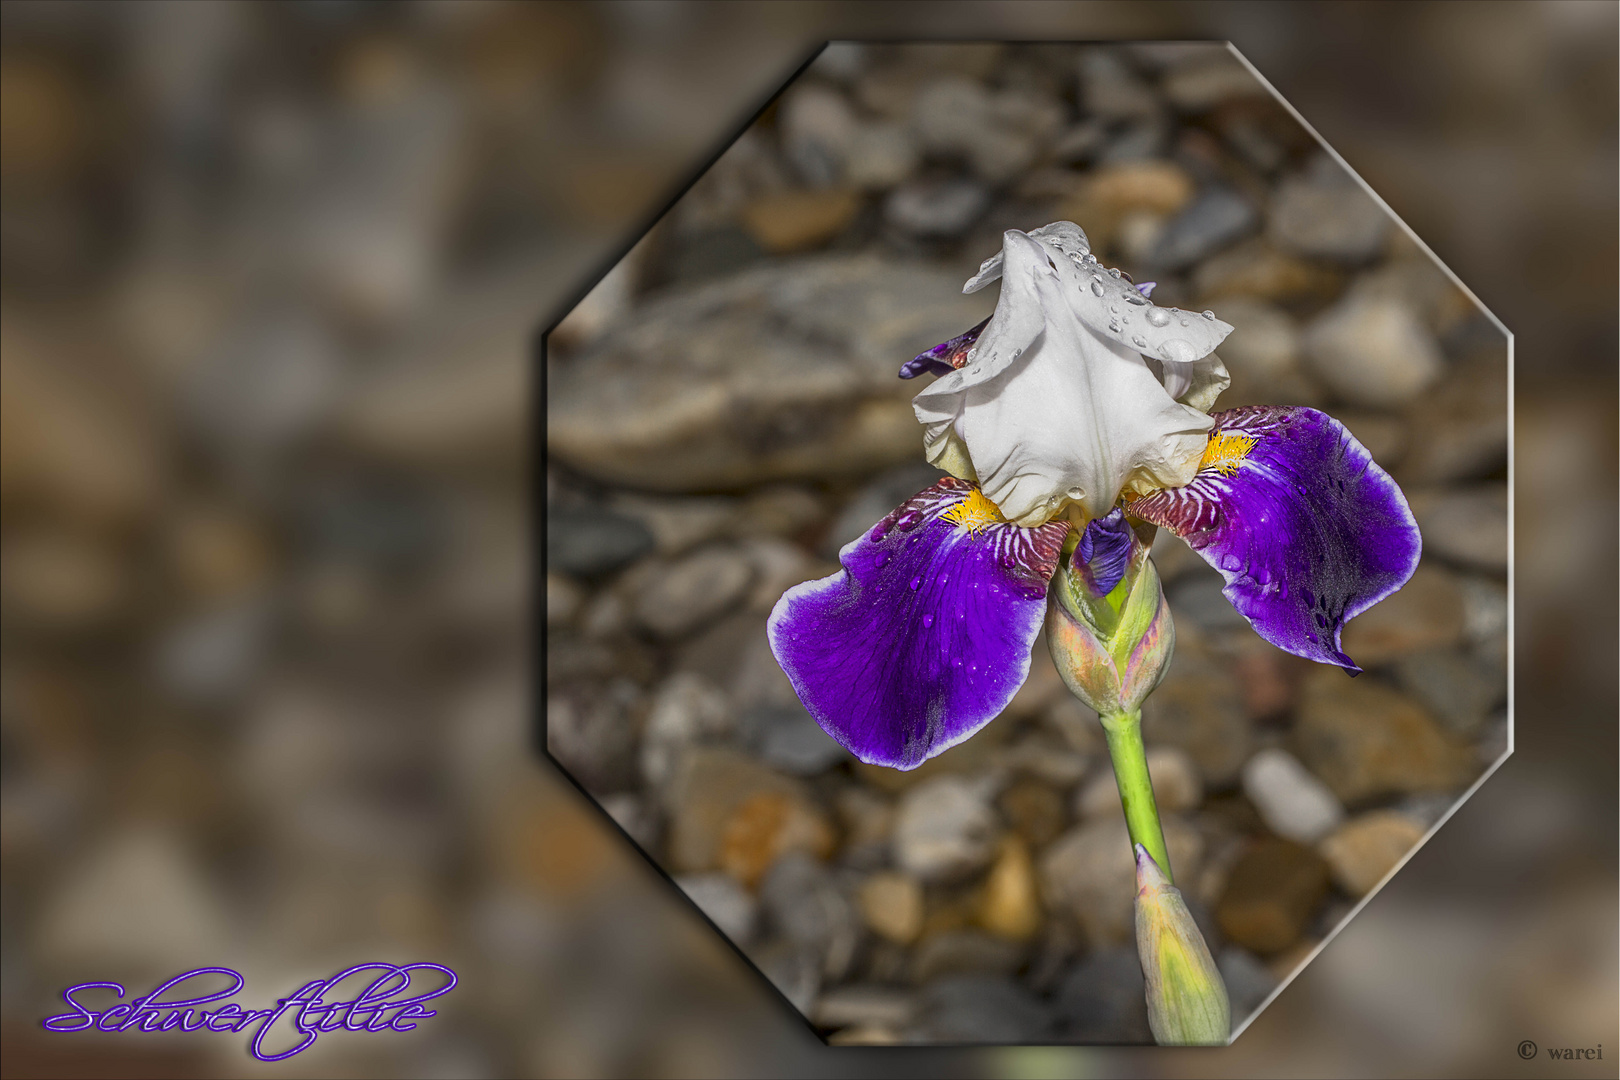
x=1149 y=875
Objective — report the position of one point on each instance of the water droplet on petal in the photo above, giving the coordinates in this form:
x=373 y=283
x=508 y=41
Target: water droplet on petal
x=1209 y=314
x=928 y=621
x=1096 y=287
x=916 y=583
x=1139 y=341
x=1158 y=316
x=882 y=559
x=1113 y=271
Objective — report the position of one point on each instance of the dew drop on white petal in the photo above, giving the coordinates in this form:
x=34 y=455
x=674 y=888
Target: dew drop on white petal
x=1113 y=326
x=1113 y=271
x=1139 y=341
x=1208 y=314
x=1158 y=316
x=1096 y=287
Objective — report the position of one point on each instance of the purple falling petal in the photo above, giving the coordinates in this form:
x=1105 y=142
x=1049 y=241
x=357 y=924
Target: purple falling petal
x=1103 y=552
x=925 y=635
x=944 y=357
x=1304 y=526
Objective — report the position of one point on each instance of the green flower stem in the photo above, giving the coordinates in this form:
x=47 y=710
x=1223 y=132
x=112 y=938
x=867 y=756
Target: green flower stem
x=1124 y=731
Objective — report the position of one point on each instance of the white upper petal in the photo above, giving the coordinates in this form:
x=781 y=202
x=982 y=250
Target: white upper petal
x=1062 y=415
x=1109 y=304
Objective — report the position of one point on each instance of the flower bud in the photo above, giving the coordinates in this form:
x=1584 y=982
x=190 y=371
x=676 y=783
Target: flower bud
x=1186 y=999
x=1107 y=624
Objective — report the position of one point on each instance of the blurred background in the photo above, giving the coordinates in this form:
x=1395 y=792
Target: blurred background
x=270 y=275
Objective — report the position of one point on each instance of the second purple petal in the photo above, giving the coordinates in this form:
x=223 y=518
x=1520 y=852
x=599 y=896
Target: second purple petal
x=925 y=635
x=1304 y=526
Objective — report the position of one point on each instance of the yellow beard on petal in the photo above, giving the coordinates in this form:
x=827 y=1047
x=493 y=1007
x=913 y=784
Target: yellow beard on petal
x=1225 y=452
x=974 y=513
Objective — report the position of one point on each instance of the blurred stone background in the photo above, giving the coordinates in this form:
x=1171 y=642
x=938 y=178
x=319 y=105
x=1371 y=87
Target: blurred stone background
x=720 y=412
x=269 y=276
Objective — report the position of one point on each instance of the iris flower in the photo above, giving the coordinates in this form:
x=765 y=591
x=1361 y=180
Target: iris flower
x=1073 y=422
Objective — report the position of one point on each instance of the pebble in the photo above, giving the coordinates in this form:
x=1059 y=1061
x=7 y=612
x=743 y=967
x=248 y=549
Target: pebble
x=1367 y=847
x=728 y=905
x=1090 y=874
x=592 y=541
x=816 y=126
x=1293 y=803
x=935 y=209
x=1367 y=740
x=880 y=156
x=778 y=566
x=1197 y=598
x=139 y=899
x=679 y=525
x=686 y=709
x=863 y=1004
x=1248 y=981
x=1044 y=754
x=766 y=827
x=1000 y=133
x=1272 y=893
x=794 y=971
x=1103 y=999
x=590 y=730
x=1373 y=351
x=1199 y=708
x=563 y=600
x=1457 y=688
x=1144 y=140
x=62 y=580
x=773 y=373
x=710 y=783
x=1076 y=722
x=1079 y=143
x=1384 y=436
x=1109 y=89
x=1010 y=907
x=892 y=905
x=1217 y=218
x=1426 y=613
x=1256 y=269
x=1159 y=187
x=981 y=1009
x=965 y=952
x=867 y=818
x=1327 y=215
x=1034 y=808
x=1176 y=786
x=1459 y=428
x=944 y=829
x=787 y=737
x=803 y=903
x=673 y=599
x=784 y=222
x=1263 y=348
x=1199 y=85
x=1467 y=526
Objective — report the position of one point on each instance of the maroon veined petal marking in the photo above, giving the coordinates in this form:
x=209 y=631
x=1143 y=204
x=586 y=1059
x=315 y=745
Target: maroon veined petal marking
x=1304 y=526
x=925 y=635
x=944 y=357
